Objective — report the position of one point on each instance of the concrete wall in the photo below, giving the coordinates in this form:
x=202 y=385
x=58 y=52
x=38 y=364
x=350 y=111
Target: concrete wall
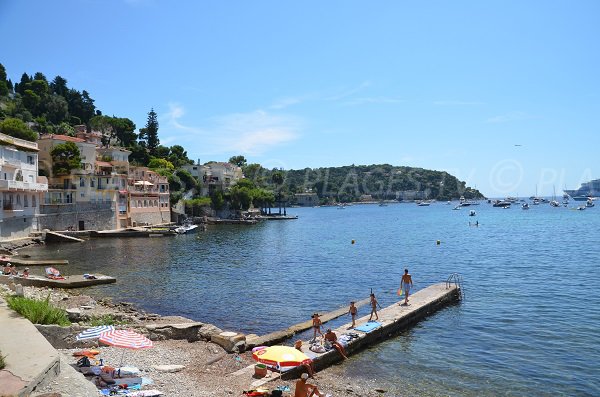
x=150 y=218
x=95 y=216
x=17 y=227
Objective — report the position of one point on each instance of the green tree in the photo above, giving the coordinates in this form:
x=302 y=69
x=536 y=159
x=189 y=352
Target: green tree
x=149 y=134
x=178 y=156
x=57 y=109
x=139 y=155
x=240 y=161
x=123 y=131
x=217 y=200
x=59 y=86
x=156 y=163
x=65 y=157
x=17 y=128
x=188 y=180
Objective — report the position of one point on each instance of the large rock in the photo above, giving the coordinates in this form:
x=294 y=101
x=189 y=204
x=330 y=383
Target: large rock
x=232 y=342
x=65 y=337
x=74 y=314
x=169 y=368
x=192 y=332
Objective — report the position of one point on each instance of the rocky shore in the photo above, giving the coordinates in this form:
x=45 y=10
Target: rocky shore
x=183 y=362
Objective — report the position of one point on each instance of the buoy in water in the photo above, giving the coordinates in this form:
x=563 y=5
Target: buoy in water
x=353 y=241
x=438 y=242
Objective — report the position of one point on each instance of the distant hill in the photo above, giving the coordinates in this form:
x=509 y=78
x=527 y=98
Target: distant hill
x=380 y=181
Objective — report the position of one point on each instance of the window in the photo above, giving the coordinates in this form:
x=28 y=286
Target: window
x=33 y=203
x=139 y=204
x=155 y=203
x=18 y=199
x=29 y=159
x=81 y=182
x=92 y=182
x=25 y=201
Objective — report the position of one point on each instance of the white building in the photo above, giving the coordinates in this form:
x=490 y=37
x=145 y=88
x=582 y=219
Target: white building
x=21 y=187
x=215 y=176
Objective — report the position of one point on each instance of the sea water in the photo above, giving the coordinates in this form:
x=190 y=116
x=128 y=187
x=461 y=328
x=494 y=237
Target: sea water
x=528 y=326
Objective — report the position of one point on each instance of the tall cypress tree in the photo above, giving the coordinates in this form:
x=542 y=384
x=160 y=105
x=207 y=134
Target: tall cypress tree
x=149 y=134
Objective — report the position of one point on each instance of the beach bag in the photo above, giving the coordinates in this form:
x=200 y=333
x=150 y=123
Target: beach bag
x=84 y=362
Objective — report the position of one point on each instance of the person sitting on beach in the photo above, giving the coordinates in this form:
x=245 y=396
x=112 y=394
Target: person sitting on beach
x=304 y=389
x=25 y=273
x=7 y=269
x=331 y=337
x=353 y=311
x=316 y=325
x=374 y=305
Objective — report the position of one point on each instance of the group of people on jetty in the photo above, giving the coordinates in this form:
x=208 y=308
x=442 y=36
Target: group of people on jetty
x=11 y=270
x=305 y=389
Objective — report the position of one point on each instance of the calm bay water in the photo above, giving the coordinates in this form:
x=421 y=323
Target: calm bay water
x=529 y=325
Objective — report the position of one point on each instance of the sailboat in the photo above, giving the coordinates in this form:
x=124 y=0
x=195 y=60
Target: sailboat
x=554 y=203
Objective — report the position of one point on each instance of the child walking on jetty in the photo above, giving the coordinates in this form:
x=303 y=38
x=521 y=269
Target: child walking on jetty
x=374 y=305
x=352 y=311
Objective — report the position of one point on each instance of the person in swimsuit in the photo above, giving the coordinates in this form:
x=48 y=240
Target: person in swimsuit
x=331 y=337
x=405 y=285
x=304 y=389
x=374 y=305
x=316 y=324
x=353 y=311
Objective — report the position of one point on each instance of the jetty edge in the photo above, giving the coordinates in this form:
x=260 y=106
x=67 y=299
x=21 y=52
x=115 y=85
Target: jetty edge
x=393 y=319
x=279 y=336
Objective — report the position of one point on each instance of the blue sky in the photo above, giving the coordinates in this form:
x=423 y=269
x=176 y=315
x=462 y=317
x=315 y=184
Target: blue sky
x=446 y=85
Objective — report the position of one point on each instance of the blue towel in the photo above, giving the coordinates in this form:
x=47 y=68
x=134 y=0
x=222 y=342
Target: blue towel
x=368 y=327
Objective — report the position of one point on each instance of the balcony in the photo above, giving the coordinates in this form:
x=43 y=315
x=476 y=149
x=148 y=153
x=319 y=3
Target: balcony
x=8 y=206
x=20 y=185
x=61 y=186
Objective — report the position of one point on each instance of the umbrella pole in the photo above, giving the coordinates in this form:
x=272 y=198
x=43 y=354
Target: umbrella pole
x=122 y=355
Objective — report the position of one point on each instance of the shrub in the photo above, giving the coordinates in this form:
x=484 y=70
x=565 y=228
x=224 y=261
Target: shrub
x=38 y=312
x=2 y=363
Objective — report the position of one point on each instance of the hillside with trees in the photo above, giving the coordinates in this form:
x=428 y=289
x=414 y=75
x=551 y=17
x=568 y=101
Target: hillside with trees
x=36 y=106
x=350 y=183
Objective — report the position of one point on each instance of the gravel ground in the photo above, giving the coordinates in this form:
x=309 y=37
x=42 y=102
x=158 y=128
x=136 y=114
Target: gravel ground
x=209 y=370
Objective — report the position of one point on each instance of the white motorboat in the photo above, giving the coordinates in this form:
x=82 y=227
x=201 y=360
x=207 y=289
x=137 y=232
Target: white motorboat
x=186 y=228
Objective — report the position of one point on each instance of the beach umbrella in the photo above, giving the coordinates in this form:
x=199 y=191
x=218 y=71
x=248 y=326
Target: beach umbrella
x=281 y=356
x=125 y=339
x=94 y=332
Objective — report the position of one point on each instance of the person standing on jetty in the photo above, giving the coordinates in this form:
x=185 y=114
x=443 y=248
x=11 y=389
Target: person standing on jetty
x=405 y=285
x=352 y=311
x=374 y=305
x=316 y=325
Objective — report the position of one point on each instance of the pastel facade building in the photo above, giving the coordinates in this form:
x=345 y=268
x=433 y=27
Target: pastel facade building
x=149 y=202
x=95 y=195
x=21 y=187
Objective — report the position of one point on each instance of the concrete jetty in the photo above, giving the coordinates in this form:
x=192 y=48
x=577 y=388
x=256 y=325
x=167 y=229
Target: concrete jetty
x=393 y=319
x=279 y=336
x=34 y=262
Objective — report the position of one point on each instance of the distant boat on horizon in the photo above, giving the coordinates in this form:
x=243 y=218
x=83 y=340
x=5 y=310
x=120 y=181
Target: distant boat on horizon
x=587 y=189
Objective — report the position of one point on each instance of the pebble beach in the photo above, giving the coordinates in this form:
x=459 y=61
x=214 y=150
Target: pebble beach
x=206 y=368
